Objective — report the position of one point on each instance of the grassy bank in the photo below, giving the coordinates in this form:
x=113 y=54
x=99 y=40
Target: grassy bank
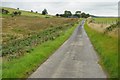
x=25 y=65
x=107 y=48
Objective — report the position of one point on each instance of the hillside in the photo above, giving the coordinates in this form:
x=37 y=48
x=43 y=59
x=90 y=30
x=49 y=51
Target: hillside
x=24 y=13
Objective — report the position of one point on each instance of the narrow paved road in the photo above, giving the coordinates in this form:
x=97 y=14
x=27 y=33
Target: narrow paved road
x=76 y=58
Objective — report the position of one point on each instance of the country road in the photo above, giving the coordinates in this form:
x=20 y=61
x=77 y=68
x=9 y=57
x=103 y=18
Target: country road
x=76 y=58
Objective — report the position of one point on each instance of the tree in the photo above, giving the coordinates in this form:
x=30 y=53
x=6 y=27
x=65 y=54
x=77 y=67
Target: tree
x=44 y=12
x=61 y=15
x=15 y=13
x=19 y=13
x=77 y=13
x=83 y=15
x=57 y=15
x=17 y=8
x=5 y=11
x=67 y=13
x=87 y=15
x=31 y=10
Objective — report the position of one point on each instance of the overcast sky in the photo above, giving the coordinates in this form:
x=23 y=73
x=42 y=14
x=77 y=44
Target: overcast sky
x=94 y=7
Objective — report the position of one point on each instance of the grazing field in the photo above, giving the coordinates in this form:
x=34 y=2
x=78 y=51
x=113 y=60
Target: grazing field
x=105 y=44
x=106 y=20
x=29 y=39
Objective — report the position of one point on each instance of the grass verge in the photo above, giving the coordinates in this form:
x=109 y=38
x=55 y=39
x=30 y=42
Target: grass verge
x=107 y=48
x=25 y=65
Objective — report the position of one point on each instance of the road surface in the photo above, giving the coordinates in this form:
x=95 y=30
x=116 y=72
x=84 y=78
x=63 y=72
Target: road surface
x=76 y=58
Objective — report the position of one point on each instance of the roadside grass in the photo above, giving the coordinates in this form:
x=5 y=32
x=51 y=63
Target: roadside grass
x=22 y=67
x=107 y=48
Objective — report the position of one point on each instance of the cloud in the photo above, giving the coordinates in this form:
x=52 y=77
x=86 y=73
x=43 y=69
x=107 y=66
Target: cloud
x=95 y=8
x=59 y=0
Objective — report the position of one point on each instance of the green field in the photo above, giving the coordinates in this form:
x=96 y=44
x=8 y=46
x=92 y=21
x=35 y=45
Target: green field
x=107 y=48
x=105 y=20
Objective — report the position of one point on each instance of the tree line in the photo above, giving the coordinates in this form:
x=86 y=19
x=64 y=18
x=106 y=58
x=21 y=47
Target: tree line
x=67 y=14
x=77 y=14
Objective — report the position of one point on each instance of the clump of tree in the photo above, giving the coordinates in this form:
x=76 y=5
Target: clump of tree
x=5 y=11
x=44 y=12
x=15 y=13
x=84 y=15
x=67 y=13
x=77 y=14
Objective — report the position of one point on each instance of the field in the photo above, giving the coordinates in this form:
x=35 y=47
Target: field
x=28 y=40
x=20 y=33
x=104 y=25
x=106 y=20
x=105 y=44
x=27 y=64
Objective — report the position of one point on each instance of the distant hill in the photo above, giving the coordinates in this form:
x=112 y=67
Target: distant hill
x=26 y=13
